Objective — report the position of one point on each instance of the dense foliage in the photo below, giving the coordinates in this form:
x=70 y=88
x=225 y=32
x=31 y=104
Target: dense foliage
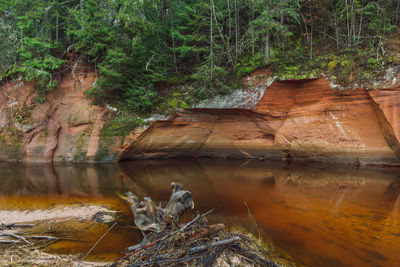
x=142 y=46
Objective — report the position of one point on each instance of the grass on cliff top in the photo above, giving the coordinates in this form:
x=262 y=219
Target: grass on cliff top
x=344 y=68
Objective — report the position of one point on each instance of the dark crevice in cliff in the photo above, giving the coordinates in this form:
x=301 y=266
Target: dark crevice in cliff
x=56 y=178
x=204 y=141
x=386 y=127
x=53 y=152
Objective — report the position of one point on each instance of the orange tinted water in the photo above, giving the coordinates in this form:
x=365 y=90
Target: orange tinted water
x=334 y=216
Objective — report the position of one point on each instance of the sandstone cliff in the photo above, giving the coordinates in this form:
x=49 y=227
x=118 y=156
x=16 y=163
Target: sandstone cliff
x=65 y=128
x=303 y=120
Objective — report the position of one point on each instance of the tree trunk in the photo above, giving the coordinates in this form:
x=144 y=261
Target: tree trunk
x=236 y=32
x=311 y=34
x=252 y=30
x=348 y=24
x=81 y=8
x=229 y=19
x=211 y=42
x=57 y=27
x=267 y=54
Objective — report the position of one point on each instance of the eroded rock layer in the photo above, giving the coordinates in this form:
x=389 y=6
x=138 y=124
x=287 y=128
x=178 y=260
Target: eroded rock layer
x=302 y=120
x=295 y=120
x=65 y=128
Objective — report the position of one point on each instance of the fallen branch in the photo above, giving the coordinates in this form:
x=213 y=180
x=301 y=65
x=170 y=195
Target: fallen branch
x=186 y=226
x=95 y=244
x=208 y=261
x=11 y=225
x=206 y=231
x=248 y=254
x=195 y=243
x=164 y=261
x=42 y=237
x=16 y=236
x=215 y=244
x=9 y=242
x=136 y=248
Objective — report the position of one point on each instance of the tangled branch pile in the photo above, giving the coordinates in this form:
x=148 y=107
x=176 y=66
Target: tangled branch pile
x=166 y=243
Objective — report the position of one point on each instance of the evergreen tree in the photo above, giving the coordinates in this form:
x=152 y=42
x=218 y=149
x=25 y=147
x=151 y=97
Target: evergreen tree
x=140 y=46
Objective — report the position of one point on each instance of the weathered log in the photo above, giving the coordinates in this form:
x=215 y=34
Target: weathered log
x=179 y=201
x=166 y=243
x=150 y=218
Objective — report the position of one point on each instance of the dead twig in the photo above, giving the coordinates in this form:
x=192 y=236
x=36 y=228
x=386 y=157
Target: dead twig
x=215 y=244
x=208 y=261
x=16 y=236
x=95 y=244
x=42 y=237
x=195 y=243
x=165 y=261
x=211 y=229
x=11 y=225
x=248 y=254
x=9 y=242
x=135 y=248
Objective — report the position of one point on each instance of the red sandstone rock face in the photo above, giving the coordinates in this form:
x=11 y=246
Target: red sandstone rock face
x=65 y=128
x=387 y=105
x=320 y=122
x=296 y=120
x=206 y=132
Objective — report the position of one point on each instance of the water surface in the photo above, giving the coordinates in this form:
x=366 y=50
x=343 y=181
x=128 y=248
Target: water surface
x=321 y=215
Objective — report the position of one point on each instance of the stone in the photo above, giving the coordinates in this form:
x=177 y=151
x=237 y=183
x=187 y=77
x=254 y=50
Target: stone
x=302 y=120
x=294 y=120
x=66 y=128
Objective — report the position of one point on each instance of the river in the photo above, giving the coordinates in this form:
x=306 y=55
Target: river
x=319 y=215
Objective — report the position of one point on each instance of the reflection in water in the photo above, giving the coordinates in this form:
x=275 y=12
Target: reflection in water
x=392 y=193
x=321 y=216
x=41 y=186
x=61 y=180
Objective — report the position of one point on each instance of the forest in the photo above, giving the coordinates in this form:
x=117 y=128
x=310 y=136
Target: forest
x=199 y=133
x=141 y=47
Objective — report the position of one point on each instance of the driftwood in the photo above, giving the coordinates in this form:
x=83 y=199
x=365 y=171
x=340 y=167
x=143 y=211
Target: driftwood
x=148 y=244
x=21 y=237
x=165 y=243
x=7 y=242
x=148 y=217
x=16 y=236
x=42 y=237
